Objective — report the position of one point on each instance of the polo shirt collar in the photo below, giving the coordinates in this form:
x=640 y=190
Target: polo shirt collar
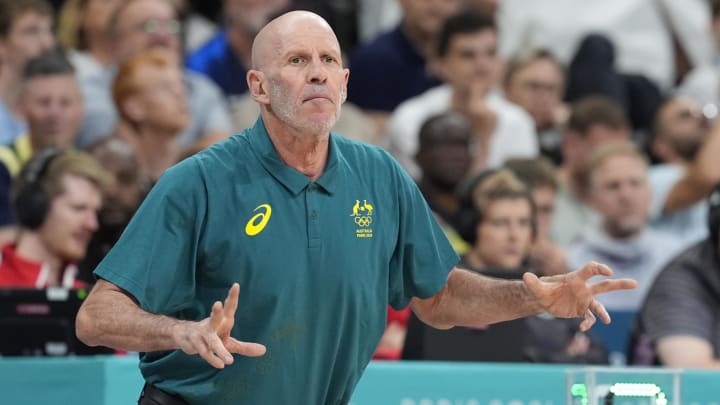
x=292 y=179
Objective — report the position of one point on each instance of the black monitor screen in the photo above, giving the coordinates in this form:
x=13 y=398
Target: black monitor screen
x=41 y=322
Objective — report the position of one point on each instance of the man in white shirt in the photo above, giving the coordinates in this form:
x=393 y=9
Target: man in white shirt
x=468 y=62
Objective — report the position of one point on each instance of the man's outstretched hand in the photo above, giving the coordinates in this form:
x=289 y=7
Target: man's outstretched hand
x=570 y=295
x=210 y=338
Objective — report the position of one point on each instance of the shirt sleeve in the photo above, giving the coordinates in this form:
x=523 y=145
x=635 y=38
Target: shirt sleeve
x=155 y=258
x=6 y=213
x=423 y=256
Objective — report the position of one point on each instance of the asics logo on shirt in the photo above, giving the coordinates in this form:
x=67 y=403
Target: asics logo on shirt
x=258 y=221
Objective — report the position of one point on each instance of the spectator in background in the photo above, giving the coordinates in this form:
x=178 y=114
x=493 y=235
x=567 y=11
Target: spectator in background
x=52 y=103
x=406 y=52
x=141 y=25
x=25 y=32
x=83 y=32
x=593 y=121
x=540 y=177
x=535 y=80
x=56 y=198
x=149 y=94
x=226 y=57
x=620 y=193
x=505 y=227
x=679 y=320
x=120 y=202
x=468 y=62
x=688 y=149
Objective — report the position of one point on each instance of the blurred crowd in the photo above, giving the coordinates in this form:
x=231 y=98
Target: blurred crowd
x=543 y=134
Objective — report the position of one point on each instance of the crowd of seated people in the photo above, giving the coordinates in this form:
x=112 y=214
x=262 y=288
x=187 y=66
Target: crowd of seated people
x=542 y=136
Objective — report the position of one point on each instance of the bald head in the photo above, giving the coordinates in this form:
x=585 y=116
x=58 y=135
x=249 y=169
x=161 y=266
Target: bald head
x=269 y=40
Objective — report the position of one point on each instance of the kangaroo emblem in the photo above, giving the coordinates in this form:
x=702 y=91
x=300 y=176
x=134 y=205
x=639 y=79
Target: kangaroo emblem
x=355 y=208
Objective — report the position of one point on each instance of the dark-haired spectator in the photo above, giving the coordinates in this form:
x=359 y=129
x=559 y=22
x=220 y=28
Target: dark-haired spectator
x=226 y=57
x=25 y=32
x=141 y=25
x=406 y=51
x=57 y=196
x=687 y=146
x=679 y=323
x=593 y=121
x=468 y=61
x=535 y=80
x=53 y=106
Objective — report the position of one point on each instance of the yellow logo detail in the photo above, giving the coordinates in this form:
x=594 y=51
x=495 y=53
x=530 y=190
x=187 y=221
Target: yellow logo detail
x=257 y=223
x=363 y=217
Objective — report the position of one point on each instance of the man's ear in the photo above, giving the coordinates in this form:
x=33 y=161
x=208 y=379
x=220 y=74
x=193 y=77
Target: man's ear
x=256 y=85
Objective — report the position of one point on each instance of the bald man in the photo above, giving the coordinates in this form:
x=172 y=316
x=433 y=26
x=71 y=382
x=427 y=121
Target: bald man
x=321 y=233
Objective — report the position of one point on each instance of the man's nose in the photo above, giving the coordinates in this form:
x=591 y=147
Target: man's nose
x=317 y=72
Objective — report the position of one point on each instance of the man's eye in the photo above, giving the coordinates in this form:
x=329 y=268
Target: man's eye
x=295 y=60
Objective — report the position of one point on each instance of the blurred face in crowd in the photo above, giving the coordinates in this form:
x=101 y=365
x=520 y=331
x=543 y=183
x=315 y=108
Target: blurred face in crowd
x=53 y=108
x=577 y=147
x=146 y=24
x=160 y=100
x=445 y=157
x=301 y=77
x=538 y=88
x=620 y=192
x=72 y=218
x=428 y=16
x=471 y=58
x=29 y=36
x=96 y=16
x=544 y=199
x=681 y=128
x=122 y=200
x=504 y=235
x=250 y=16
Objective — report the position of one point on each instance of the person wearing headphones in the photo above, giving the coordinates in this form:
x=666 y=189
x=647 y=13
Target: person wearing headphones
x=679 y=322
x=56 y=198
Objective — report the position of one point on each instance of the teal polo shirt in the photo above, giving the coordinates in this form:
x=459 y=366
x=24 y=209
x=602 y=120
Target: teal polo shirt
x=317 y=263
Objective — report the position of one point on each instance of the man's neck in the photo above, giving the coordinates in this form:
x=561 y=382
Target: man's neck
x=30 y=247
x=444 y=202
x=10 y=88
x=100 y=47
x=304 y=152
x=423 y=42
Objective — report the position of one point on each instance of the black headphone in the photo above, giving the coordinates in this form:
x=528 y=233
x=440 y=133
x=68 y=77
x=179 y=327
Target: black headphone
x=714 y=217
x=31 y=201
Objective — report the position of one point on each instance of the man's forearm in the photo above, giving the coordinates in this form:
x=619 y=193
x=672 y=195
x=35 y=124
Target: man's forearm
x=470 y=299
x=112 y=319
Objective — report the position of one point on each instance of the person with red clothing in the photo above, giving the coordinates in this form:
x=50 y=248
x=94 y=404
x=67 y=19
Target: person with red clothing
x=56 y=199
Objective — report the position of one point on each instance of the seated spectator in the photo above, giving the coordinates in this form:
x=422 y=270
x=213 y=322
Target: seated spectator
x=535 y=81
x=119 y=203
x=137 y=26
x=505 y=228
x=679 y=320
x=406 y=53
x=51 y=102
x=593 y=121
x=17 y=19
x=83 y=32
x=149 y=94
x=56 y=197
x=687 y=148
x=468 y=62
x=540 y=178
x=620 y=193
x=226 y=57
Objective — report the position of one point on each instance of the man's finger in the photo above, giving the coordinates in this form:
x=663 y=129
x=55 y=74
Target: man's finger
x=613 y=285
x=593 y=269
x=231 y=302
x=588 y=322
x=216 y=316
x=248 y=349
x=219 y=350
x=207 y=354
x=599 y=309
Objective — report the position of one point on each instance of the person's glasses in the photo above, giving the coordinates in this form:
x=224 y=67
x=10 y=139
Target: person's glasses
x=153 y=26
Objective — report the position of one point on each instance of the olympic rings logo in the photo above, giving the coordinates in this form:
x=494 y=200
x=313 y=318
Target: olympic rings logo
x=363 y=221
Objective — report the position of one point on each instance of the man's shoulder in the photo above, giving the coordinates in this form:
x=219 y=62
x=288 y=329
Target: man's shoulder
x=434 y=100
